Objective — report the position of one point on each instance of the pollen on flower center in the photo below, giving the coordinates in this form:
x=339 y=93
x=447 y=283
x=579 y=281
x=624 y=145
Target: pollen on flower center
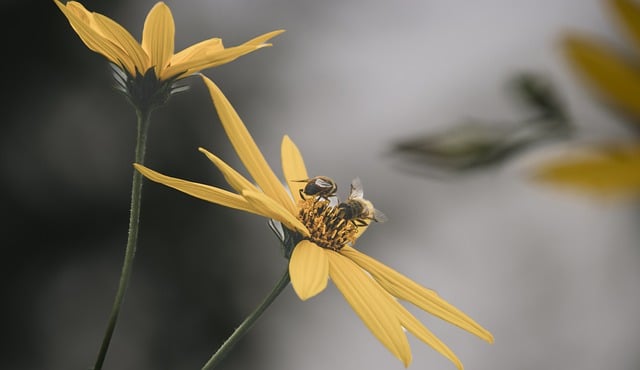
x=327 y=227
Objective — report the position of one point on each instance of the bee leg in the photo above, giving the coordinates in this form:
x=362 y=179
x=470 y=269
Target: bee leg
x=360 y=223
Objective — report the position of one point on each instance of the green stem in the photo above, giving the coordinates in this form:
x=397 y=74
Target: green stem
x=247 y=323
x=132 y=240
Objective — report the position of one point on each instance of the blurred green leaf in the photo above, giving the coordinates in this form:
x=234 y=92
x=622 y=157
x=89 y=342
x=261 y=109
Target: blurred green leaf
x=476 y=144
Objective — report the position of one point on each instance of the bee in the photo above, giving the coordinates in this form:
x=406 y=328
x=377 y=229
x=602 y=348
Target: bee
x=318 y=186
x=357 y=209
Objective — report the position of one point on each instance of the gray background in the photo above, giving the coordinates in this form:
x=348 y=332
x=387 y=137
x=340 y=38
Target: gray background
x=551 y=273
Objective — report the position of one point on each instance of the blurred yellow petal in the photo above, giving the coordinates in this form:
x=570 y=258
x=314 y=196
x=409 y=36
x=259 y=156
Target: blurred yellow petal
x=238 y=182
x=134 y=55
x=308 y=269
x=629 y=13
x=268 y=207
x=602 y=171
x=200 y=191
x=614 y=78
x=415 y=327
x=372 y=304
x=406 y=289
x=248 y=151
x=158 y=36
x=293 y=166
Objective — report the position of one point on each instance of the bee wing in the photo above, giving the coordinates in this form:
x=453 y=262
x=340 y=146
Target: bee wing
x=378 y=216
x=323 y=183
x=356 y=189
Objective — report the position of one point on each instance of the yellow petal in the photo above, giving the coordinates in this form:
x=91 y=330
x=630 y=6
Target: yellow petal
x=134 y=55
x=198 y=51
x=158 y=36
x=372 y=304
x=236 y=180
x=404 y=288
x=78 y=10
x=268 y=207
x=202 y=61
x=293 y=166
x=200 y=191
x=415 y=327
x=82 y=22
x=361 y=230
x=211 y=53
x=615 y=79
x=218 y=55
x=260 y=40
x=629 y=13
x=308 y=269
x=248 y=151
x=604 y=171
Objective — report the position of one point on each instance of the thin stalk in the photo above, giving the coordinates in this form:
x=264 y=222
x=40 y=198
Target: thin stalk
x=247 y=323
x=132 y=240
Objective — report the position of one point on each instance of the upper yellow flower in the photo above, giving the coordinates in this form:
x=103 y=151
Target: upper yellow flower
x=323 y=241
x=615 y=77
x=104 y=36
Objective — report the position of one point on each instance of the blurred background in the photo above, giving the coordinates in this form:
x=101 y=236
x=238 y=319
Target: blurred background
x=553 y=274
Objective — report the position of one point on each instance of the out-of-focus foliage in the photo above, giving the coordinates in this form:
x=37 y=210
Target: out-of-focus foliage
x=476 y=144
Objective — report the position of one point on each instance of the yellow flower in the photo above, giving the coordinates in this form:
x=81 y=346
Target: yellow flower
x=146 y=72
x=104 y=36
x=615 y=78
x=323 y=242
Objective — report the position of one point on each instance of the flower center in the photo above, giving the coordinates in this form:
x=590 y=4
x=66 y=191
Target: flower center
x=326 y=225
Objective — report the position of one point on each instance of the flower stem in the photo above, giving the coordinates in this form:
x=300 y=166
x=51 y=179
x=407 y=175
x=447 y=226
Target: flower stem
x=247 y=323
x=132 y=240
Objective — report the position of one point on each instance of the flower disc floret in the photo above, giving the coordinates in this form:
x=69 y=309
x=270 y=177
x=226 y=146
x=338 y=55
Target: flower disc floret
x=327 y=228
